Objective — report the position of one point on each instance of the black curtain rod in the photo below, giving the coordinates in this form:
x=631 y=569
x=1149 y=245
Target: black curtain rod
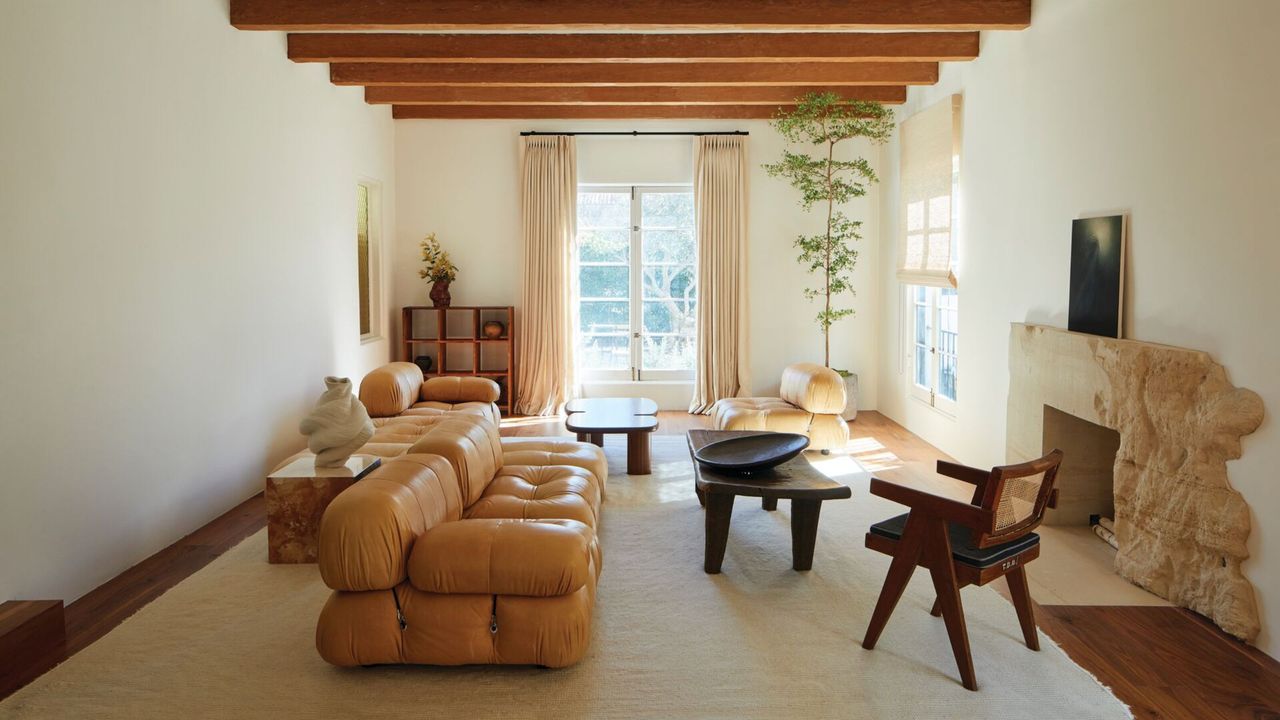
x=633 y=133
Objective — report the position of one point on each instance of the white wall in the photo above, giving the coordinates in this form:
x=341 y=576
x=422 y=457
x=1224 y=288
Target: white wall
x=459 y=179
x=179 y=273
x=1160 y=108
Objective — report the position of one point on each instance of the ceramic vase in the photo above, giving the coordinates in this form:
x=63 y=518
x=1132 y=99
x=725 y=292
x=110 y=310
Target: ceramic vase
x=440 y=294
x=338 y=425
x=494 y=329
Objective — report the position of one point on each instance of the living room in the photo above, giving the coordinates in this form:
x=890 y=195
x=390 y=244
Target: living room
x=213 y=206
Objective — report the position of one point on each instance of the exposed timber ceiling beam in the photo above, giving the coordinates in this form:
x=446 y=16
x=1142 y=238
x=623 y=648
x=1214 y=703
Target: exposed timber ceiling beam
x=633 y=48
x=534 y=15
x=643 y=95
x=584 y=112
x=624 y=74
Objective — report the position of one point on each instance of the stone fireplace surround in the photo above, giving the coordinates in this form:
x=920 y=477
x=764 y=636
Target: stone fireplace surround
x=1180 y=526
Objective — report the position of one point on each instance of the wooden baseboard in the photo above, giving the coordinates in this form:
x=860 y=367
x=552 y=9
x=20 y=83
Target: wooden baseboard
x=33 y=638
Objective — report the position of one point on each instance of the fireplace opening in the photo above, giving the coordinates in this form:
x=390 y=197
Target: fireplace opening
x=1086 y=491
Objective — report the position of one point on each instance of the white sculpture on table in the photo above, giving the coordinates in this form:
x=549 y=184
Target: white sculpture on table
x=338 y=425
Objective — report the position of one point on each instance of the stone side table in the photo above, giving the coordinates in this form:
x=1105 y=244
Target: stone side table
x=297 y=495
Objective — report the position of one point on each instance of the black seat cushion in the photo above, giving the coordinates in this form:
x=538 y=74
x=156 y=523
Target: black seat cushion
x=962 y=547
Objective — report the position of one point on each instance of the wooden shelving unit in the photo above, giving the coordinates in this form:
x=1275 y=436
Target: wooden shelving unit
x=453 y=338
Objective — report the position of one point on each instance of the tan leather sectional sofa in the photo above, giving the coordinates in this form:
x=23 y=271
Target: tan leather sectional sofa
x=463 y=547
x=404 y=406
x=813 y=397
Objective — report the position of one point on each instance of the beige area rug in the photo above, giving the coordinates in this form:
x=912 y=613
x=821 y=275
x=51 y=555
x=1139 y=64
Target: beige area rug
x=758 y=641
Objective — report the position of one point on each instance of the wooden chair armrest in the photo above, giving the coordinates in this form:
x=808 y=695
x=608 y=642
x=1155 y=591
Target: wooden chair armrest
x=971 y=516
x=973 y=476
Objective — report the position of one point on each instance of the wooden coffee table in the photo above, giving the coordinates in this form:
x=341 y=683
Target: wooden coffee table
x=593 y=418
x=795 y=480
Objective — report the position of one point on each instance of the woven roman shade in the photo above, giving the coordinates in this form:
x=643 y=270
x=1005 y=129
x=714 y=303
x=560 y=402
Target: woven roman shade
x=930 y=146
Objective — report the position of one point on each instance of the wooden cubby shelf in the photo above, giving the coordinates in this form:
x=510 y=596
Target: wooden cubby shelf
x=453 y=338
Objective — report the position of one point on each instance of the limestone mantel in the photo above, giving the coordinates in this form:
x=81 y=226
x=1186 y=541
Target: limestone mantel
x=1181 y=527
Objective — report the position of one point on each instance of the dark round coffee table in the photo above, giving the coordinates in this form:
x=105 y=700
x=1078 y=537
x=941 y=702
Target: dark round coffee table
x=593 y=418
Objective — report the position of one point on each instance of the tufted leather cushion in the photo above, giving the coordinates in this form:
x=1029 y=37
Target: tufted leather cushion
x=367 y=531
x=825 y=431
x=437 y=408
x=813 y=388
x=471 y=445
x=532 y=492
x=759 y=414
x=556 y=451
x=460 y=389
x=385 y=450
x=394 y=545
x=536 y=558
x=828 y=432
x=447 y=629
x=391 y=389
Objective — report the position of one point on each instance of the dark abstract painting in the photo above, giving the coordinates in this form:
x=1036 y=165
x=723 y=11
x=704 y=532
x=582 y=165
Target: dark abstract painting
x=1097 y=275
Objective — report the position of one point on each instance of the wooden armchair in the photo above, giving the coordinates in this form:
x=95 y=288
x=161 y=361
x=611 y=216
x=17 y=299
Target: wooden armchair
x=965 y=544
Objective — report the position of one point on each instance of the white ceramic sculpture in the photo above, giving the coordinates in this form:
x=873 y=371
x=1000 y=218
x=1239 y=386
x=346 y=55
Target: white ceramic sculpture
x=338 y=425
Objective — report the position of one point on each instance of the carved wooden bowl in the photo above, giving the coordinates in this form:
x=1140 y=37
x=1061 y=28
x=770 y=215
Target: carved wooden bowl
x=751 y=453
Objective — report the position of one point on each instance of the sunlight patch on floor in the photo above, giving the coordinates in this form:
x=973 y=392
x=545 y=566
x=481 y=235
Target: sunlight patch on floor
x=836 y=465
x=872 y=454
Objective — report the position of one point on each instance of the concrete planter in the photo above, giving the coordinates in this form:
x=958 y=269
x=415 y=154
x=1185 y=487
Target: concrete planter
x=851 y=397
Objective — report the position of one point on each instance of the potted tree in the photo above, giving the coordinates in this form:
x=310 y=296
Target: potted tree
x=827 y=122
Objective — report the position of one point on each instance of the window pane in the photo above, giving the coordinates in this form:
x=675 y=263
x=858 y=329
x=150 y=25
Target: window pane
x=604 y=210
x=947 y=377
x=668 y=352
x=668 y=246
x=604 y=245
x=922 y=366
x=604 y=281
x=605 y=317
x=668 y=281
x=604 y=352
x=922 y=326
x=666 y=210
x=948 y=347
x=669 y=316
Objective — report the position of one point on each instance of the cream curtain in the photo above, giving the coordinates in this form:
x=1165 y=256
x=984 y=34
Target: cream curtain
x=548 y=207
x=930 y=153
x=720 y=199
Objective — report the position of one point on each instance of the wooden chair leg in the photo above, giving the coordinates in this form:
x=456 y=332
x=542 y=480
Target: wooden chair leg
x=937 y=556
x=1017 y=579
x=905 y=558
x=936 y=610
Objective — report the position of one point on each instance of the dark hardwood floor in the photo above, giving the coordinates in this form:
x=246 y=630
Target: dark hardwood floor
x=1166 y=663
x=98 y=612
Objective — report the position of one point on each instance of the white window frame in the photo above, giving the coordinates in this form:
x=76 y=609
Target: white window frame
x=929 y=394
x=934 y=348
x=635 y=298
x=376 y=321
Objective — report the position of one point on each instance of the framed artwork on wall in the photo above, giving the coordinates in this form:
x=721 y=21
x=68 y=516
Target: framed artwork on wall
x=1096 y=305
